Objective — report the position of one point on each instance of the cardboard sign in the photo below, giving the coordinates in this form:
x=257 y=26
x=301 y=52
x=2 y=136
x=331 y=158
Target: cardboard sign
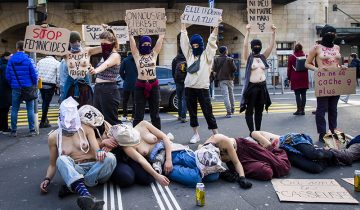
x=259 y=15
x=204 y=16
x=78 y=64
x=349 y=180
x=312 y=191
x=48 y=41
x=335 y=82
x=91 y=34
x=149 y=21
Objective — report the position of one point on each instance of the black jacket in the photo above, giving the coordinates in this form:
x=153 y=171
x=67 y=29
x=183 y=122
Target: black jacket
x=176 y=60
x=5 y=89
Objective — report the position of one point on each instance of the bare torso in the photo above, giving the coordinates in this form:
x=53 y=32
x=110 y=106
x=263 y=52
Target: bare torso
x=224 y=154
x=257 y=71
x=328 y=57
x=147 y=140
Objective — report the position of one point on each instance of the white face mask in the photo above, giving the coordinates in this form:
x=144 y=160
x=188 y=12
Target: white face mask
x=69 y=119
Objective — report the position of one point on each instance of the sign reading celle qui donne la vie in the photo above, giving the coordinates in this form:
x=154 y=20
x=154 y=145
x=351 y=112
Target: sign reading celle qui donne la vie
x=150 y=21
x=48 y=41
x=201 y=16
x=91 y=34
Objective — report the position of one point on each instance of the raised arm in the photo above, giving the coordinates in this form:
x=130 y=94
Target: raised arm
x=184 y=42
x=167 y=143
x=113 y=60
x=133 y=154
x=51 y=170
x=246 y=42
x=94 y=50
x=272 y=42
x=211 y=46
x=133 y=48
x=159 y=43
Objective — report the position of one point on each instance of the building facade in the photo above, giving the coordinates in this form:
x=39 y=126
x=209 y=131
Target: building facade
x=296 y=21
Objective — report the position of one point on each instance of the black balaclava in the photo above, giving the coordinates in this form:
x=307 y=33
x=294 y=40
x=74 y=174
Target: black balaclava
x=197 y=39
x=256 y=47
x=328 y=36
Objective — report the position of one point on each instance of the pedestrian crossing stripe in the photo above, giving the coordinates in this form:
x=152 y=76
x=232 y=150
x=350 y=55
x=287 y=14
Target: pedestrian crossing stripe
x=218 y=111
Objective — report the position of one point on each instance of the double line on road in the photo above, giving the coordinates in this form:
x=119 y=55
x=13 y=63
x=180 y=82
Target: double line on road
x=112 y=197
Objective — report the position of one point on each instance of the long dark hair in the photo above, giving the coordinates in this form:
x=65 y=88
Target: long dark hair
x=298 y=47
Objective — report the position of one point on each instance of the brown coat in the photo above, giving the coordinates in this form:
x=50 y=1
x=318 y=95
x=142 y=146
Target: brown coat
x=224 y=67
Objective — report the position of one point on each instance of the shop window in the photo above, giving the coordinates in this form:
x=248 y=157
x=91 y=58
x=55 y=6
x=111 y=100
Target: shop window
x=283 y=60
x=285 y=45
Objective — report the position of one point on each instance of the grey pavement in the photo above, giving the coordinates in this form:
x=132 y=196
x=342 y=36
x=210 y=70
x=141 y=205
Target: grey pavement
x=24 y=162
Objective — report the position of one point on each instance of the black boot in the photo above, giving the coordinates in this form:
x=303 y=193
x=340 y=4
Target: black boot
x=250 y=122
x=321 y=137
x=297 y=111
x=302 y=110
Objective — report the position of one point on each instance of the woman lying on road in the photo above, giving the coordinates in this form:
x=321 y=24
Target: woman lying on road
x=300 y=150
x=247 y=158
x=145 y=142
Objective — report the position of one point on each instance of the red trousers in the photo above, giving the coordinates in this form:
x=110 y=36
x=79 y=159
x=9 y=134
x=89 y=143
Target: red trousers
x=260 y=163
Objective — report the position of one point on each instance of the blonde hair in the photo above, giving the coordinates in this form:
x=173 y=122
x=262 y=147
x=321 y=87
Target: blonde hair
x=110 y=36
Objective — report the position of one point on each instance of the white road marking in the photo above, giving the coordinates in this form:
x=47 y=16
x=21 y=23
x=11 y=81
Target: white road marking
x=119 y=201
x=164 y=196
x=112 y=197
x=172 y=198
x=161 y=205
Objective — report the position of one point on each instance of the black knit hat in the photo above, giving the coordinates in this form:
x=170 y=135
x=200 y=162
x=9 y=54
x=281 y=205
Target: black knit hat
x=255 y=42
x=75 y=36
x=327 y=29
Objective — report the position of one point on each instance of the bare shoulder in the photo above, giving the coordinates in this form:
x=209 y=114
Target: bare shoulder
x=87 y=129
x=52 y=137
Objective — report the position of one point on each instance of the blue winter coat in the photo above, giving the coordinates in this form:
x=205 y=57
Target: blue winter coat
x=25 y=69
x=128 y=73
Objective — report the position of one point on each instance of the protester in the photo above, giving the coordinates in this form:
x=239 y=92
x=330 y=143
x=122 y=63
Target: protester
x=21 y=73
x=355 y=63
x=63 y=75
x=178 y=67
x=350 y=154
x=128 y=72
x=147 y=85
x=327 y=56
x=244 y=157
x=254 y=93
x=80 y=166
x=224 y=68
x=299 y=80
x=5 y=95
x=199 y=65
x=299 y=148
x=49 y=73
x=79 y=88
x=106 y=94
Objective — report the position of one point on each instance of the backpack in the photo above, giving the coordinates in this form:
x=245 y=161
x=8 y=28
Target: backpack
x=180 y=71
x=300 y=63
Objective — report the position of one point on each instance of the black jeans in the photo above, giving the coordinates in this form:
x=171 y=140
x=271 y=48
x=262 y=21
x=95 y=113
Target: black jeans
x=312 y=161
x=300 y=95
x=4 y=124
x=256 y=98
x=126 y=97
x=193 y=96
x=46 y=96
x=329 y=104
x=127 y=171
x=107 y=101
x=154 y=106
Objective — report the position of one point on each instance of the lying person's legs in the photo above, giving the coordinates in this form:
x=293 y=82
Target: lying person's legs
x=141 y=176
x=101 y=171
x=184 y=170
x=123 y=175
x=310 y=152
x=305 y=164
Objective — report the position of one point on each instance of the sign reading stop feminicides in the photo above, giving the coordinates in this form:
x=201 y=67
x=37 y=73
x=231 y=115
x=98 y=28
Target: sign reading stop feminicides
x=91 y=34
x=48 y=41
x=259 y=15
x=204 y=16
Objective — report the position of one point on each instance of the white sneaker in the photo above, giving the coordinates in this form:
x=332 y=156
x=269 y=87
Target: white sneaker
x=124 y=119
x=170 y=136
x=195 y=139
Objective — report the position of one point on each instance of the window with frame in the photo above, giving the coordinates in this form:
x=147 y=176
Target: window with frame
x=283 y=60
x=355 y=24
x=285 y=45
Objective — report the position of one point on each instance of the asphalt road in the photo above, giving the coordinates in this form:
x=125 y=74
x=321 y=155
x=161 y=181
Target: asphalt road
x=24 y=162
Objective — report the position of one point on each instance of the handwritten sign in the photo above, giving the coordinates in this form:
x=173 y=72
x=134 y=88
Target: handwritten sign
x=349 y=180
x=335 y=82
x=48 y=41
x=149 y=21
x=204 y=16
x=259 y=15
x=91 y=34
x=78 y=64
x=312 y=191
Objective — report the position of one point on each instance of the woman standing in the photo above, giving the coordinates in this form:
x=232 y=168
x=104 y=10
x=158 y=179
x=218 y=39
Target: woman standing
x=147 y=85
x=106 y=93
x=5 y=95
x=299 y=80
x=77 y=83
x=254 y=93
x=327 y=56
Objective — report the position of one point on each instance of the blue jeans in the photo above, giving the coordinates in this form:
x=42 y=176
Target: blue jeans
x=16 y=101
x=185 y=170
x=180 y=93
x=92 y=172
